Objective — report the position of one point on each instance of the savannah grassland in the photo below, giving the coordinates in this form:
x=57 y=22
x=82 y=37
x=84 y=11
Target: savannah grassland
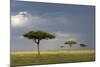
x=51 y=57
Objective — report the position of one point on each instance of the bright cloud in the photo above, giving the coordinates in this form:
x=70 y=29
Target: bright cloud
x=63 y=36
x=23 y=19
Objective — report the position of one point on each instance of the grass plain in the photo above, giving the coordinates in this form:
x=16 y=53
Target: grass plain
x=51 y=57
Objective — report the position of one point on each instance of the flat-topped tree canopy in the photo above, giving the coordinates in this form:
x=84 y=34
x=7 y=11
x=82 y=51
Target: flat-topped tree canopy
x=39 y=35
x=70 y=42
x=83 y=45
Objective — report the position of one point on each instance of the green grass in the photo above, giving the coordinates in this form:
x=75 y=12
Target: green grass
x=51 y=57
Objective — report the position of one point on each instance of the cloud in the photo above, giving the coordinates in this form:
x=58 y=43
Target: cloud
x=62 y=34
x=68 y=36
x=23 y=19
x=21 y=37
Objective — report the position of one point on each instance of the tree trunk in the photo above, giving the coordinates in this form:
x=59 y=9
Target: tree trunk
x=38 y=42
x=38 y=49
x=70 y=45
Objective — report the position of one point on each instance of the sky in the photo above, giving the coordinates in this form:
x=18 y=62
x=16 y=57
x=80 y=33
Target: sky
x=66 y=21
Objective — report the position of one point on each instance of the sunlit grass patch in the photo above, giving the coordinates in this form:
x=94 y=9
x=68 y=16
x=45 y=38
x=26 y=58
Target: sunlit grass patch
x=51 y=57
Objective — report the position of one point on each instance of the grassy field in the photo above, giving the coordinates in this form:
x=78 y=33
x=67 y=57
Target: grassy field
x=51 y=57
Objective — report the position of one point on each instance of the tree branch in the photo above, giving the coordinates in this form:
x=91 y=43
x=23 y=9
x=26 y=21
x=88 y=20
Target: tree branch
x=35 y=41
x=38 y=41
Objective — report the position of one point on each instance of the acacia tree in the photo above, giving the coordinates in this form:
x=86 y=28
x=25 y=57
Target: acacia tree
x=37 y=36
x=61 y=46
x=70 y=42
x=83 y=45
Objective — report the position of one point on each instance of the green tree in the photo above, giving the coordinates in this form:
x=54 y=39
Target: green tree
x=70 y=42
x=61 y=46
x=83 y=45
x=37 y=36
